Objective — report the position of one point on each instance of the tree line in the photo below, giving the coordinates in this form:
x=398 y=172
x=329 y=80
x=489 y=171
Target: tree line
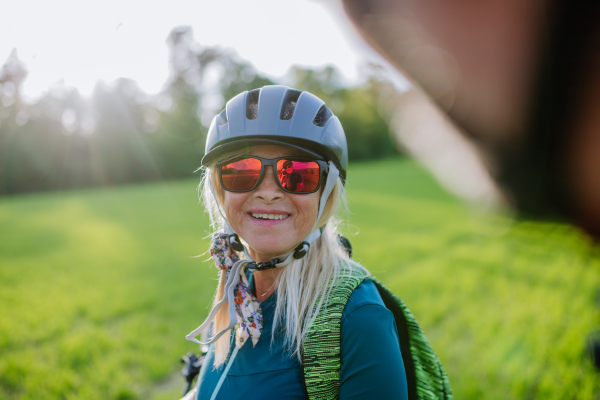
x=120 y=134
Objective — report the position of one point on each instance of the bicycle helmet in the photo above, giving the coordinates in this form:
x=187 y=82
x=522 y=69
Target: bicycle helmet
x=282 y=116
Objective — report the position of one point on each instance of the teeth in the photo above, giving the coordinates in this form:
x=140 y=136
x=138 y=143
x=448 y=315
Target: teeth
x=269 y=216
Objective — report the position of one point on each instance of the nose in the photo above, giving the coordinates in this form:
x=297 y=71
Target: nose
x=268 y=190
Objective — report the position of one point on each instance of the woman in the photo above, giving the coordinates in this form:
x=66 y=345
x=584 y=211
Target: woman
x=290 y=256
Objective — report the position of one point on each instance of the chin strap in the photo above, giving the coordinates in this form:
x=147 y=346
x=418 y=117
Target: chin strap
x=281 y=261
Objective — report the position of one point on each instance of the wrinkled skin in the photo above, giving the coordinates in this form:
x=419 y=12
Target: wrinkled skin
x=486 y=65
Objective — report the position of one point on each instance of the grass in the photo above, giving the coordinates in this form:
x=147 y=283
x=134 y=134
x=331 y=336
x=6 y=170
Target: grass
x=98 y=289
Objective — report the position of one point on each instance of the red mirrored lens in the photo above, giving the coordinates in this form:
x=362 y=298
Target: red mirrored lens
x=240 y=175
x=298 y=176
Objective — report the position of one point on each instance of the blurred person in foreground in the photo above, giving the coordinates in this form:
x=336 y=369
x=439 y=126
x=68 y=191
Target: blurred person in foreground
x=520 y=79
x=294 y=317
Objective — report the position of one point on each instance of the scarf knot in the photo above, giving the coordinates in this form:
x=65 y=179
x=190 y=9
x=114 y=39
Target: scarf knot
x=222 y=252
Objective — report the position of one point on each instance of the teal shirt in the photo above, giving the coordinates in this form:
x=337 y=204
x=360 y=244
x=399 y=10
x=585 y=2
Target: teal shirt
x=372 y=366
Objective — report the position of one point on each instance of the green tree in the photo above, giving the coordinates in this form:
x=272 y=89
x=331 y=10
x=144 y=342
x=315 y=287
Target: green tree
x=13 y=114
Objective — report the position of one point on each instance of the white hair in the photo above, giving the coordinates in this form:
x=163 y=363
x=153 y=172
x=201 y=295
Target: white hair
x=302 y=286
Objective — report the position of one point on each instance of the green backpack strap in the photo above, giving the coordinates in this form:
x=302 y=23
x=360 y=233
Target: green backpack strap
x=321 y=358
x=321 y=367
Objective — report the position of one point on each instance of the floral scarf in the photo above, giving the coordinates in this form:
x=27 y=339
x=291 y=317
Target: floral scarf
x=247 y=307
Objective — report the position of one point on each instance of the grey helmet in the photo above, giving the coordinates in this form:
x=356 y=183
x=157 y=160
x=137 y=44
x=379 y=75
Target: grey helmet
x=282 y=116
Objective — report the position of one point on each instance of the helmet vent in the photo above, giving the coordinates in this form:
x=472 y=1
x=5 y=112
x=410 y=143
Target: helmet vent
x=288 y=110
x=289 y=104
x=223 y=117
x=252 y=104
x=322 y=116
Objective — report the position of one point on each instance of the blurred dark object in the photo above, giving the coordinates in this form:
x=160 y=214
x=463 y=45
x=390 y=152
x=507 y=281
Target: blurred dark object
x=520 y=79
x=346 y=244
x=191 y=369
x=594 y=349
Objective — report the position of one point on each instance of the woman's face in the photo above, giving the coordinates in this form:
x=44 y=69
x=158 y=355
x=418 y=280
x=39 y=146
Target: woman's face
x=268 y=238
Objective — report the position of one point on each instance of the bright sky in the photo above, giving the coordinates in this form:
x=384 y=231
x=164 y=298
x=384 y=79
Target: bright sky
x=82 y=41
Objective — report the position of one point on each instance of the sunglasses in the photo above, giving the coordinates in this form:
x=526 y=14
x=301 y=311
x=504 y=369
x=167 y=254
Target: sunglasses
x=245 y=174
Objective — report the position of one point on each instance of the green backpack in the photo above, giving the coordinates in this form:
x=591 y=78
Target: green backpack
x=425 y=375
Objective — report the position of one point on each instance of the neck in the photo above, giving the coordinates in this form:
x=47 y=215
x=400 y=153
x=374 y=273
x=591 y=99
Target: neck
x=265 y=282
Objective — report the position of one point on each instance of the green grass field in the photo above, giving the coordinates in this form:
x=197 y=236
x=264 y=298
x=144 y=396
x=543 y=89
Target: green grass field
x=98 y=288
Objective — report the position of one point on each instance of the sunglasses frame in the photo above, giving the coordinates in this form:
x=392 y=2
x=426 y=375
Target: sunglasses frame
x=264 y=162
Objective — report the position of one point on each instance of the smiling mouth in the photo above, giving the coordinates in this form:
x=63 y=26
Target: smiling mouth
x=269 y=216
